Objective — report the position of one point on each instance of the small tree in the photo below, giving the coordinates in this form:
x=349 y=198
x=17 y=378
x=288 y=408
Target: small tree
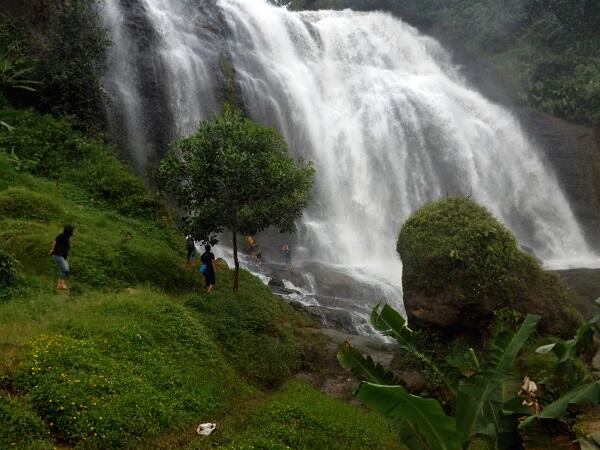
x=234 y=174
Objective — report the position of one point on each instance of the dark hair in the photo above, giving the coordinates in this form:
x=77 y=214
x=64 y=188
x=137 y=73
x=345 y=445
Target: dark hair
x=207 y=247
x=68 y=230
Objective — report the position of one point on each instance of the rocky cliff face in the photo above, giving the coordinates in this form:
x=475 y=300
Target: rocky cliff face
x=574 y=153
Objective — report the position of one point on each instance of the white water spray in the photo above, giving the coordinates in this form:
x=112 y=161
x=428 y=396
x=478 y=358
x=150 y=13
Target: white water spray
x=388 y=121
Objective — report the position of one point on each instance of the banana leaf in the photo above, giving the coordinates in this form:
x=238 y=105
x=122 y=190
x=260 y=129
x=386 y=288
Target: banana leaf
x=426 y=414
x=581 y=395
x=350 y=358
x=391 y=323
x=567 y=351
x=481 y=398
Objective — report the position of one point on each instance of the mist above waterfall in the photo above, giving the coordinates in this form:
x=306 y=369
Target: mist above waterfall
x=387 y=119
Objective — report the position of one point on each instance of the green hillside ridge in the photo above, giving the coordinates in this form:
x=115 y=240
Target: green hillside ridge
x=130 y=356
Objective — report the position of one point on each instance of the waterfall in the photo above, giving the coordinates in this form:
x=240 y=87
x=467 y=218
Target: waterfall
x=378 y=107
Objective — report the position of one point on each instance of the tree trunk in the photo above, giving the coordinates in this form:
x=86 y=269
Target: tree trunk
x=236 y=276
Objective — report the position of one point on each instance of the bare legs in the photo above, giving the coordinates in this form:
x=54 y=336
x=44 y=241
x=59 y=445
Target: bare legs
x=61 y=284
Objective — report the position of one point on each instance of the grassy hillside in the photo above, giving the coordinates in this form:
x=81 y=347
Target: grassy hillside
x=130 y=356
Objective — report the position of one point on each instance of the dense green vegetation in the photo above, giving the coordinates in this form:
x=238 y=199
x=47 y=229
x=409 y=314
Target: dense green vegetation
x=455 y=252
x=108 y=369
x=234 y=174
x=488 y=400
x=547 y=52
x=63 y=47
x=129 y=356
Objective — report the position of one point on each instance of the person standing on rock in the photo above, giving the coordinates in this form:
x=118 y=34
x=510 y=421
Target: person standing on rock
x=286 y=254
x=60 y=252
x=208 y=264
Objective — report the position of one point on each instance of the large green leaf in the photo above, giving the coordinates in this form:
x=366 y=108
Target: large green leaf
x=506 y=347
x=350 y=358
x=480 y=412
x=391 y=323
x=590 y=442
x=567 y=351
x=480 y=398
x=426 y=414
x=581 y=395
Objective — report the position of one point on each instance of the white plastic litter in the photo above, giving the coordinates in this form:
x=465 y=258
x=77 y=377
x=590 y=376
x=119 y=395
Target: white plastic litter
x=206 y=428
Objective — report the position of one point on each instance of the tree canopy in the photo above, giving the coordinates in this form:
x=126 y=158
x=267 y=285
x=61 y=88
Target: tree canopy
x=234 y=174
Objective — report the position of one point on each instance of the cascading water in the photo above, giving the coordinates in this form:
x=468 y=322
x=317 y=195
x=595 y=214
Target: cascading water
x=163 y=72
x=388 y=121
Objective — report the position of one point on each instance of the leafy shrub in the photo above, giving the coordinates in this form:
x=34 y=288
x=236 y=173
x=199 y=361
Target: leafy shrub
x=14 y=73
x=127 y=367
x=48 y=143
x=63 y=46
x=49 y=146
x=23 y=203
x=250 y=327
x=108 y=181
x=573 y=93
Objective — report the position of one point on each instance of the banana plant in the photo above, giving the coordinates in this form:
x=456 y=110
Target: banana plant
x=481 y=397
x=565 y=352
x=390 y=322
x=422 y=422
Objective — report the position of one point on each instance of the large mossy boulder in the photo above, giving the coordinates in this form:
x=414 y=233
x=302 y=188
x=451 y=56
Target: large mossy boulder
x=461 y=265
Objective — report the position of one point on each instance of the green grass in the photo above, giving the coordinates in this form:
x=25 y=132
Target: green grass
x=34 y=212
x=300 y=417
x=129 y=357
x=21 y=428
x=107 y=369
x=260 y=334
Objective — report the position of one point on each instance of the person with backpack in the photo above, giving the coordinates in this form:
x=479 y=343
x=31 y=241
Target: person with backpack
x=207 y=268
x=60 y=252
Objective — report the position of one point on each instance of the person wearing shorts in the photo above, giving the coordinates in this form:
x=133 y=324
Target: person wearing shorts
x=60 y=253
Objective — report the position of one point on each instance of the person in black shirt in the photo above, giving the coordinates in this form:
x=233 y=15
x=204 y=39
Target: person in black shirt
x=60 y=253
x=208 y=259
x=191 y=249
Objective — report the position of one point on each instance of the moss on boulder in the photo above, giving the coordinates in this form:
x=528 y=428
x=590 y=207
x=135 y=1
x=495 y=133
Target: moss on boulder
x=461 y=265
